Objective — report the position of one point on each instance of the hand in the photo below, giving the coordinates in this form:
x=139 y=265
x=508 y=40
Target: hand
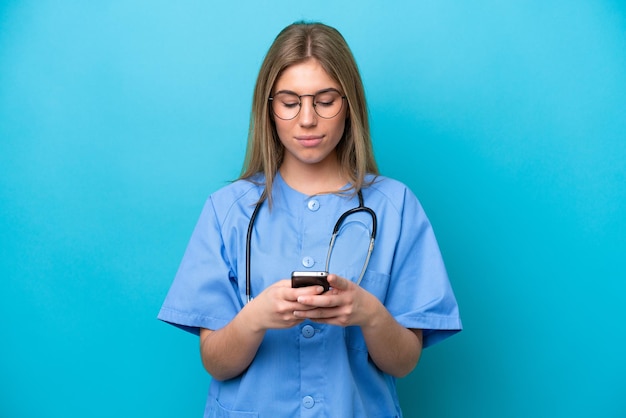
x=349 y=304
x=274 y=307
x=344 y=304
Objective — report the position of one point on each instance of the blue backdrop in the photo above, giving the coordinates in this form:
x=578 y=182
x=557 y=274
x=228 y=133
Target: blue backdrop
x=508 y=119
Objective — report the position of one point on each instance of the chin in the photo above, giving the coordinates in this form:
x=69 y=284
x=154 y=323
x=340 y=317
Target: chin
x=313 y=160
x=309 y=157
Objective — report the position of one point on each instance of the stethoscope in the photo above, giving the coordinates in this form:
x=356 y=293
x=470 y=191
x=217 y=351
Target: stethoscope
x=342 y=218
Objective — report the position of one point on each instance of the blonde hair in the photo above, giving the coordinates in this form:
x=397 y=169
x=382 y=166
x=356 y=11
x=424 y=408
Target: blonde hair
x=293 y=45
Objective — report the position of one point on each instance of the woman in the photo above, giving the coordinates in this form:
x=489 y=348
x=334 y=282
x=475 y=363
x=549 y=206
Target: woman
x=280 y=351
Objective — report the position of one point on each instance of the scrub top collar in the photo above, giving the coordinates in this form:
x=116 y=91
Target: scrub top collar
x=287 y=195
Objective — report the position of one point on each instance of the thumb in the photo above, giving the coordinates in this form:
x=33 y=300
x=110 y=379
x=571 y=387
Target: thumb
x=337 y=282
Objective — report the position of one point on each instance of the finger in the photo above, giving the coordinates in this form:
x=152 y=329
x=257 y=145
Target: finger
x=322 y=315
x=283 y=283
x=308 y=291
x=309 y=299
x=337 y=282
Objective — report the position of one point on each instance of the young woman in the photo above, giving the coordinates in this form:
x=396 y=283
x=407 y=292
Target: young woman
x=275 y=350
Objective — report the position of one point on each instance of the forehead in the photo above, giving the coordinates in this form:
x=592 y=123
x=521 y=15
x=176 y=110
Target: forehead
x=305 y=77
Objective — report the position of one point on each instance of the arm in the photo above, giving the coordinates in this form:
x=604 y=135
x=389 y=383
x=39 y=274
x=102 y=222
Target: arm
x=227 y=352
x=393 y=348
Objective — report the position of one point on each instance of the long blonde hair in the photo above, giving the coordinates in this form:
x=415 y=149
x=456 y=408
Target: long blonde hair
x=293 y=45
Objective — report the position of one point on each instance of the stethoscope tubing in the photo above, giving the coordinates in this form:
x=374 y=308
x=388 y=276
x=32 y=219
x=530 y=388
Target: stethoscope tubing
x=342 y=218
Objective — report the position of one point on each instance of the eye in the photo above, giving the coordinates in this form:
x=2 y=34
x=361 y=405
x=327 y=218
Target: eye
x=288 y=101
x=326 y=99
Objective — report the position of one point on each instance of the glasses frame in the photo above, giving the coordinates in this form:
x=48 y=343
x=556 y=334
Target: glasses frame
x=270 y=100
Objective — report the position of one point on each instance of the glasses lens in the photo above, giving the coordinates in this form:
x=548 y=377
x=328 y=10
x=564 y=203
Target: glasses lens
x=328 y=104
x=286 y=105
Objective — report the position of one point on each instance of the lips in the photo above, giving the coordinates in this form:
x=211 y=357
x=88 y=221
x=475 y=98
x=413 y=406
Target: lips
x=309 y=140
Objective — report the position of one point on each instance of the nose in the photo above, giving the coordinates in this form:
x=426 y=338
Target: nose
x=307 y=116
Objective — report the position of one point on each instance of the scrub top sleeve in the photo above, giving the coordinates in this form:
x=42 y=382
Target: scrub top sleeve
x=420 y=293
x=203 y=293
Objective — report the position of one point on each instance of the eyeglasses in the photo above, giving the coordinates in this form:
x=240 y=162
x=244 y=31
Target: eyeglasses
x=326 y=103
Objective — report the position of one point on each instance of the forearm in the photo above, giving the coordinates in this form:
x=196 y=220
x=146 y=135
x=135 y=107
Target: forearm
x=393 y=348
x=227 y=352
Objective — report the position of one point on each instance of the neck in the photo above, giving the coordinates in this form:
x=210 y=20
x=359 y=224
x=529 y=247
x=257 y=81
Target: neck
x=312 y=179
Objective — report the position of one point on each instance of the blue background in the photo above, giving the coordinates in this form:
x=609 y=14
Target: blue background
x=508 y=120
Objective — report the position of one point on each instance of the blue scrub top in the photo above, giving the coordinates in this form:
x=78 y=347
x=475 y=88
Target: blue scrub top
x=311 y=369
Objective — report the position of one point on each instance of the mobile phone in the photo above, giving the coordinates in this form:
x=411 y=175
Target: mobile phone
x=310 y=278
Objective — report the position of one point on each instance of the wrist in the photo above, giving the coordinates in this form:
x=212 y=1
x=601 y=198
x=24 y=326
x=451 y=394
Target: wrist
x=249 y=319
x=375 y=312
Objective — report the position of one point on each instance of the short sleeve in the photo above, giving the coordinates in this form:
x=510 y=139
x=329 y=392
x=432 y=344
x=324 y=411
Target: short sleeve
x=420 y=294
x=204 y=292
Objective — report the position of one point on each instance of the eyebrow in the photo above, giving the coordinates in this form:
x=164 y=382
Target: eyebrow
x=313 y=94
